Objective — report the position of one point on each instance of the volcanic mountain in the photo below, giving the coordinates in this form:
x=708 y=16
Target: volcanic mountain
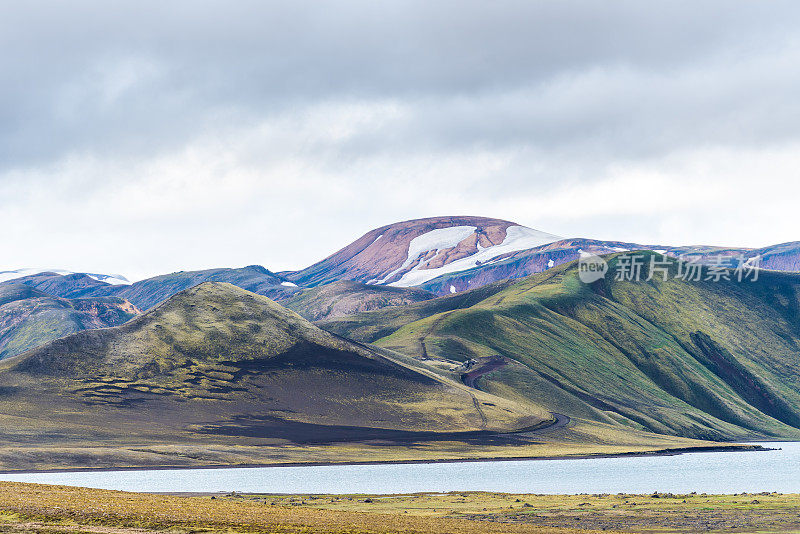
x=442 y=255
x=447 y=255
x=412 y=252
x=221 y=361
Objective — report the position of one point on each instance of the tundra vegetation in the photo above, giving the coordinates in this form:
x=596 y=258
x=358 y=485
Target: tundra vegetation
x=60 y=509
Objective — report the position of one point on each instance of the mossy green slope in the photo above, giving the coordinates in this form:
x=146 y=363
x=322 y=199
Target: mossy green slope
x=218 y=360
x=711 y=360
x=368 y=326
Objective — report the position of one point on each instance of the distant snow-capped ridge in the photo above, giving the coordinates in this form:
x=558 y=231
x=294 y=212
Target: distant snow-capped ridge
x=113 y=279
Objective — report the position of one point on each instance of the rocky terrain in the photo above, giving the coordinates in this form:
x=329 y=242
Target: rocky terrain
x=30 y=318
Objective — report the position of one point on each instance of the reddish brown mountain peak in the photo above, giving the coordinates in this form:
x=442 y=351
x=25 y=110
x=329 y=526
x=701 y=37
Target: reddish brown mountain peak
x=408 y=253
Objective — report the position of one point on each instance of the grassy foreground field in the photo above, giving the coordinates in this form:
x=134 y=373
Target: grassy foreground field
x=39 y=508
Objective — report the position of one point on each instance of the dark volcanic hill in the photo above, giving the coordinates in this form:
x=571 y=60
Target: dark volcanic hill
x=218 y=360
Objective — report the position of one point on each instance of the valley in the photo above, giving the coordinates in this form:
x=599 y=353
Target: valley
x=250 y=367
x=399 y=267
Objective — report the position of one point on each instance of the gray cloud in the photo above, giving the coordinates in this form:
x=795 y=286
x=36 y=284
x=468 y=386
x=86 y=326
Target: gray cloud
x=359 y=95
x=86 y=75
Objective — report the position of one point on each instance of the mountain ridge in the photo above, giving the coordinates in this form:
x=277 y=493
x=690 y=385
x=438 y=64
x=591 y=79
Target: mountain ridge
x=151 y=291
x=30 y=318
x=386 y=255
x=701 y=360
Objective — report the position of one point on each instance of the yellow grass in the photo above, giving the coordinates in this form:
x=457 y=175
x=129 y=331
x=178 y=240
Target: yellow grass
x=36 y=507
x=60 y=509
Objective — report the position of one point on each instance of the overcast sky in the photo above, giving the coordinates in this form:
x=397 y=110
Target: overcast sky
x=147 y=137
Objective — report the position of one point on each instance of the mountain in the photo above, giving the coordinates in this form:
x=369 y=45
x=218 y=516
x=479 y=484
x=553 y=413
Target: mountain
x=412 y=252
x=702 y=359
x=447 y=255
x=30 y=318
x=783 y=257
x=15 y=292
x=68 y=285
x=346 y=297
x=370 y=326
x=113 y=279
x=442 y=255
x=255 y=278
x=526 y=262
x=149 y=292
x=219 y=363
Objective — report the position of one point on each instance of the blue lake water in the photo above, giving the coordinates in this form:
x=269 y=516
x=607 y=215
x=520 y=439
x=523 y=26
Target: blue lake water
x=723 y=472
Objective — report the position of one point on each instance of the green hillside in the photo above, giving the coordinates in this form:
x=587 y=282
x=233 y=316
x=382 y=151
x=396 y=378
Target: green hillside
x=218 y=361
x=369 y=326
x=710 y=360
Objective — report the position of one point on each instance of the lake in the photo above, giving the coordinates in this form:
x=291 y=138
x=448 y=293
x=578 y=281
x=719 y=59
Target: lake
x=713 y=472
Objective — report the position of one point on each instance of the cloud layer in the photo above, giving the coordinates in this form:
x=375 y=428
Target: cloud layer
x=153 y=137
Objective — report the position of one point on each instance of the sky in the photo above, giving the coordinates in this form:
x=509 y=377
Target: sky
x=147 y=137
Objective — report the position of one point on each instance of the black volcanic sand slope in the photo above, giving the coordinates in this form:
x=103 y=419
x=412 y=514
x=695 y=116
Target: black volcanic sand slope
x=30 y=318
x=218 y=360
x=704 y=359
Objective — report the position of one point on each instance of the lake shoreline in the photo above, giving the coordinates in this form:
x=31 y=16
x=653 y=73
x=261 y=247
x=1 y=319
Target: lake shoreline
x=675 y=451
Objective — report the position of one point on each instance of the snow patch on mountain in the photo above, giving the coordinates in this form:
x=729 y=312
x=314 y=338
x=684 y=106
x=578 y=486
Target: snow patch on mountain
x=441 y=238
x=113 y=279
x=517 y=238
